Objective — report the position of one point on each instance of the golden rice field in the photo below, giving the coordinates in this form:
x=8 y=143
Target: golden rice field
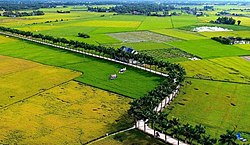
x=71 y=113
x=21 y=79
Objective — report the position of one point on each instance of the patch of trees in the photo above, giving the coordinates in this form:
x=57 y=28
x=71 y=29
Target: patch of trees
x=135 y=8
x=224 y=20
x=53 y=21
x=61 y=11
x=22 y=14
x=83 y=35
x=15 y=6
x=231 y=40
x=228 y=14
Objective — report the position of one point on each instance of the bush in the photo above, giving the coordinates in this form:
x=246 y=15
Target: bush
x=83 y=35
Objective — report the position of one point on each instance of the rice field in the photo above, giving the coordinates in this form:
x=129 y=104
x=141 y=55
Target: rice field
x=20 y=79
x=71 y=113
x=94 y=71
x=221 y=69
x=216 y=105
x=209 y=48
x=181 y=34
x=243 y=46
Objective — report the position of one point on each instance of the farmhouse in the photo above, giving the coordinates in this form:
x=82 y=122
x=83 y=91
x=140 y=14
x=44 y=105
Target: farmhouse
x=128 y=49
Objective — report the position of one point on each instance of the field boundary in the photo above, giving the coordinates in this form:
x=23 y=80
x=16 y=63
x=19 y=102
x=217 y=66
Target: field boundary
x=108 y=135
x=44 y=90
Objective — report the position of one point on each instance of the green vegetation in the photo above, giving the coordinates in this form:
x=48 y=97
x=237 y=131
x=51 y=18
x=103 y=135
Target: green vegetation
x=143 y=45
x=221 y=106
x=223 y=69
x=95 y=71
x=186 y=35
x=209 y=48
x=225 y=20
x=170 y=54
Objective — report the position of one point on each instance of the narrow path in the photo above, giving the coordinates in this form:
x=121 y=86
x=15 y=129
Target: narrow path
x=140 y=124
x=86 y=53
x=112 y=134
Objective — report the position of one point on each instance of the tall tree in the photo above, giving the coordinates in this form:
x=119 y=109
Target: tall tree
x=229 y=138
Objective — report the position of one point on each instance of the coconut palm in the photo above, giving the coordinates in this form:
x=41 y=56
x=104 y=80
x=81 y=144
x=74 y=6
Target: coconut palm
x=229 y=138
x=207 y=140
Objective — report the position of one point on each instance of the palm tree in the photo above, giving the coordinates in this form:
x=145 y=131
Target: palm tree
x=153 y=118
x=207 y=140
x=229 y=138
x=176 y=129
x=199 y=130
x=186 y=131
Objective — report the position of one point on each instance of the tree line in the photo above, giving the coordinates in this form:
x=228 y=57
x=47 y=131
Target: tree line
x=230 y=40
x=21 y=14
x=135 y=8
x=225 y=20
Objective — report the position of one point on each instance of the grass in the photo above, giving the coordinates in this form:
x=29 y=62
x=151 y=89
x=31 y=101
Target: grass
x=209 y=48
x=186 y=35
x=95 y=71
x=129 y=138
x=223 y=69
x=142 y=45
x=71 y=113
x=21 y=79
x=221 y=106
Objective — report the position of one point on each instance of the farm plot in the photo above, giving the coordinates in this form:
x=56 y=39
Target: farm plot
x=150 y=23
x=21 y=79
x=209 y=48
x=141 y=36
x=71 y=113
x=216 y=105
x=224 y=69
x=181 y=34
x=134 y=83
x=170 y=54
